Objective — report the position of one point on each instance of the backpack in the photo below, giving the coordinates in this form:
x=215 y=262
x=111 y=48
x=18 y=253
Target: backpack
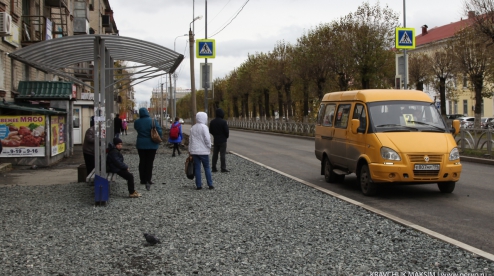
x=174 y=131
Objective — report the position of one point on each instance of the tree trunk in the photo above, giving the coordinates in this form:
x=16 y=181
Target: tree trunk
x=266 y=102
x=236 y=114
x=342 y=82
x=306 y=98
x=442 y=96
x=478 y=83
x=288 y=95
x=280 y=103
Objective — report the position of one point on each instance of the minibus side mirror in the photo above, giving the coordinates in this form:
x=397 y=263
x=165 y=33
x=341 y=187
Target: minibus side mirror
x=355 y=125
x=456 y=127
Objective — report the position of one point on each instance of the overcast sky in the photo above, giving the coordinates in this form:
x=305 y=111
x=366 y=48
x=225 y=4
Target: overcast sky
x=256 y=27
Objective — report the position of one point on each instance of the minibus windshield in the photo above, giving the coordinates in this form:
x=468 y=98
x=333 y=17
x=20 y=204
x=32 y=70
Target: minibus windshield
x=404 y=116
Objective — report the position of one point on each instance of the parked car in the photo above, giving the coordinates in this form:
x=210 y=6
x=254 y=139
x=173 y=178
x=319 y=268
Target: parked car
x=466 y=122
x=487 y=122
x=181 y=121
x=454 y=116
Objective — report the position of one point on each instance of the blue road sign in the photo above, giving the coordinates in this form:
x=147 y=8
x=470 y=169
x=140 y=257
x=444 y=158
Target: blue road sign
x=405 y=38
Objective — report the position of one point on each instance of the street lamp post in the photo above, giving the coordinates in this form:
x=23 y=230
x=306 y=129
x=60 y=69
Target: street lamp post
x=175 y=81
x=192 y=78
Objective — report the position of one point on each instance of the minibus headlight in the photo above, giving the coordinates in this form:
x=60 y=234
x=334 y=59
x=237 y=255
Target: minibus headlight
x=389 y=154
x=454 y=154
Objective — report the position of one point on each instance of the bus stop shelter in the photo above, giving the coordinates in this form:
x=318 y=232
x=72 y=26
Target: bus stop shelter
x=61 y=56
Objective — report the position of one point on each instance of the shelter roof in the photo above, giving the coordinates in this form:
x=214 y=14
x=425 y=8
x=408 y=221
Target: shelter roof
x=29 y=108
x=56 y=54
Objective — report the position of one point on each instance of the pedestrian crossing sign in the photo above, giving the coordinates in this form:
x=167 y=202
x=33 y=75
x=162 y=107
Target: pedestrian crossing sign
x=405 y=38
x=205 y=48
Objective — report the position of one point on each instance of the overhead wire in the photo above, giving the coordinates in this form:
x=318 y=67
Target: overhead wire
x=241 y=8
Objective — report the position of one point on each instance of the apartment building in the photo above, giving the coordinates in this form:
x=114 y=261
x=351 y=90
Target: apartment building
x=28 y=22
x=429 y=40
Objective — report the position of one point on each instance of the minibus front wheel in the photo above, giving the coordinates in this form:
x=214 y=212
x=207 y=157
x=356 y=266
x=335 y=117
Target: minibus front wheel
x=368 y=187
x=446 y=187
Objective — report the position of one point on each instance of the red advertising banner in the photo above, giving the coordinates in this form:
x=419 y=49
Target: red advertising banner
x=22 y=136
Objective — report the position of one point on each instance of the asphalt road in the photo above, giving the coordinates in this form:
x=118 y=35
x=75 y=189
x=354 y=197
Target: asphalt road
x=465 y=215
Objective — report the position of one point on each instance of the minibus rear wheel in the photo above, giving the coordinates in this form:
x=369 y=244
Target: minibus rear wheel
x=368 y=187
x=329 y=175
x=446 y=187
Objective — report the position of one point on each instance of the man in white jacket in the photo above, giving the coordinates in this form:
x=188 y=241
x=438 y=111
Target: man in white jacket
x=200 y=148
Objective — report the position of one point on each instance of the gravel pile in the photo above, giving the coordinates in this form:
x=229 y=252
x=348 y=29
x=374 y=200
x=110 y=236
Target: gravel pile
x=256 y=222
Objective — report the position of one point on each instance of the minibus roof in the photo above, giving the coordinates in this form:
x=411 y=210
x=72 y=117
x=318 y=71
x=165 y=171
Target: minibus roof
x=377 y=95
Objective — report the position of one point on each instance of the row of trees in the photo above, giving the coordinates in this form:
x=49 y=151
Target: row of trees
x=352 y=52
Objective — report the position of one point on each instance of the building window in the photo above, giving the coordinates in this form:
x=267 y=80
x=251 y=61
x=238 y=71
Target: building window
x=465 y=107
x=2 y=74
x=465 y=81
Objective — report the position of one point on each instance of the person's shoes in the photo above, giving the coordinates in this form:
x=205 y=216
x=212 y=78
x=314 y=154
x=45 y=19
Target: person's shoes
x=179 y=153
x=199 y=188
x=214 y=170
x=173 y=155
x=135 y=194
x=148 y=186
x=211 y=187
x=224 y=170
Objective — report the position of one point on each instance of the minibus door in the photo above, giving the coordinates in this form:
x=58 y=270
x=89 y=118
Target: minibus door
x=341 y=131
x=356 y=145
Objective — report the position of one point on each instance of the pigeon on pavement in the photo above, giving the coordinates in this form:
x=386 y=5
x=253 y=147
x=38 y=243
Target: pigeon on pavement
x=151 y=239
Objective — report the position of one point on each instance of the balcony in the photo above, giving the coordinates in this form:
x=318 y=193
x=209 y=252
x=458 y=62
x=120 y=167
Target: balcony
x=35 y=28
x=56 y=3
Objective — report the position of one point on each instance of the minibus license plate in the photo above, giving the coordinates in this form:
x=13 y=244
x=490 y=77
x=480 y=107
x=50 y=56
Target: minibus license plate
x=426 y=167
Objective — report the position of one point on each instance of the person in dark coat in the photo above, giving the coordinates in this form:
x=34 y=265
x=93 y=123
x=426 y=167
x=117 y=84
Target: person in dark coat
x=117 y=125
x=146 y=148
x=176 y=142
x=88 y=147
x=219 y=129
x=115 y=162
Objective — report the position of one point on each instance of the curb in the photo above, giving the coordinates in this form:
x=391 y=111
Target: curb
x=476 y=160
x=5 y=167
x=469 y=248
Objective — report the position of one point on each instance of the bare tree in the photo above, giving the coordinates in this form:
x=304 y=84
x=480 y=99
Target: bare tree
x=443 y=68
x=483 y=16
x=419 y=70
x=475 y=60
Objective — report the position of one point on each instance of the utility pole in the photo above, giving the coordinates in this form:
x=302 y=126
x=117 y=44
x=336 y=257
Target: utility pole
x=161 y=111
x=206 y=81
x=192 y=77
x=405 y=78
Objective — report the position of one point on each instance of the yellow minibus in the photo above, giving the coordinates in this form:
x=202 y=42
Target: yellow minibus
x=386 y=136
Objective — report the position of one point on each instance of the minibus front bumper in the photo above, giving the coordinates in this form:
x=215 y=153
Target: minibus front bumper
x=392 y=172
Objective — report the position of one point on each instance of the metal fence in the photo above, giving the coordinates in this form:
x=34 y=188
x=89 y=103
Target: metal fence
x=469 y=139
x=477 y=140
x=303 y=129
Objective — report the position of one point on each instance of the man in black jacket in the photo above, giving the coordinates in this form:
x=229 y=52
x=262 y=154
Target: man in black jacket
x=117 y=128
x=219 y=129
x=115 y=162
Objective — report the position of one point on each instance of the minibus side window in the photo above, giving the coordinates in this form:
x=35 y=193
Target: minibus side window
x=360 y=114
x=320 y=115
x=342 y=116
x=329 y=115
